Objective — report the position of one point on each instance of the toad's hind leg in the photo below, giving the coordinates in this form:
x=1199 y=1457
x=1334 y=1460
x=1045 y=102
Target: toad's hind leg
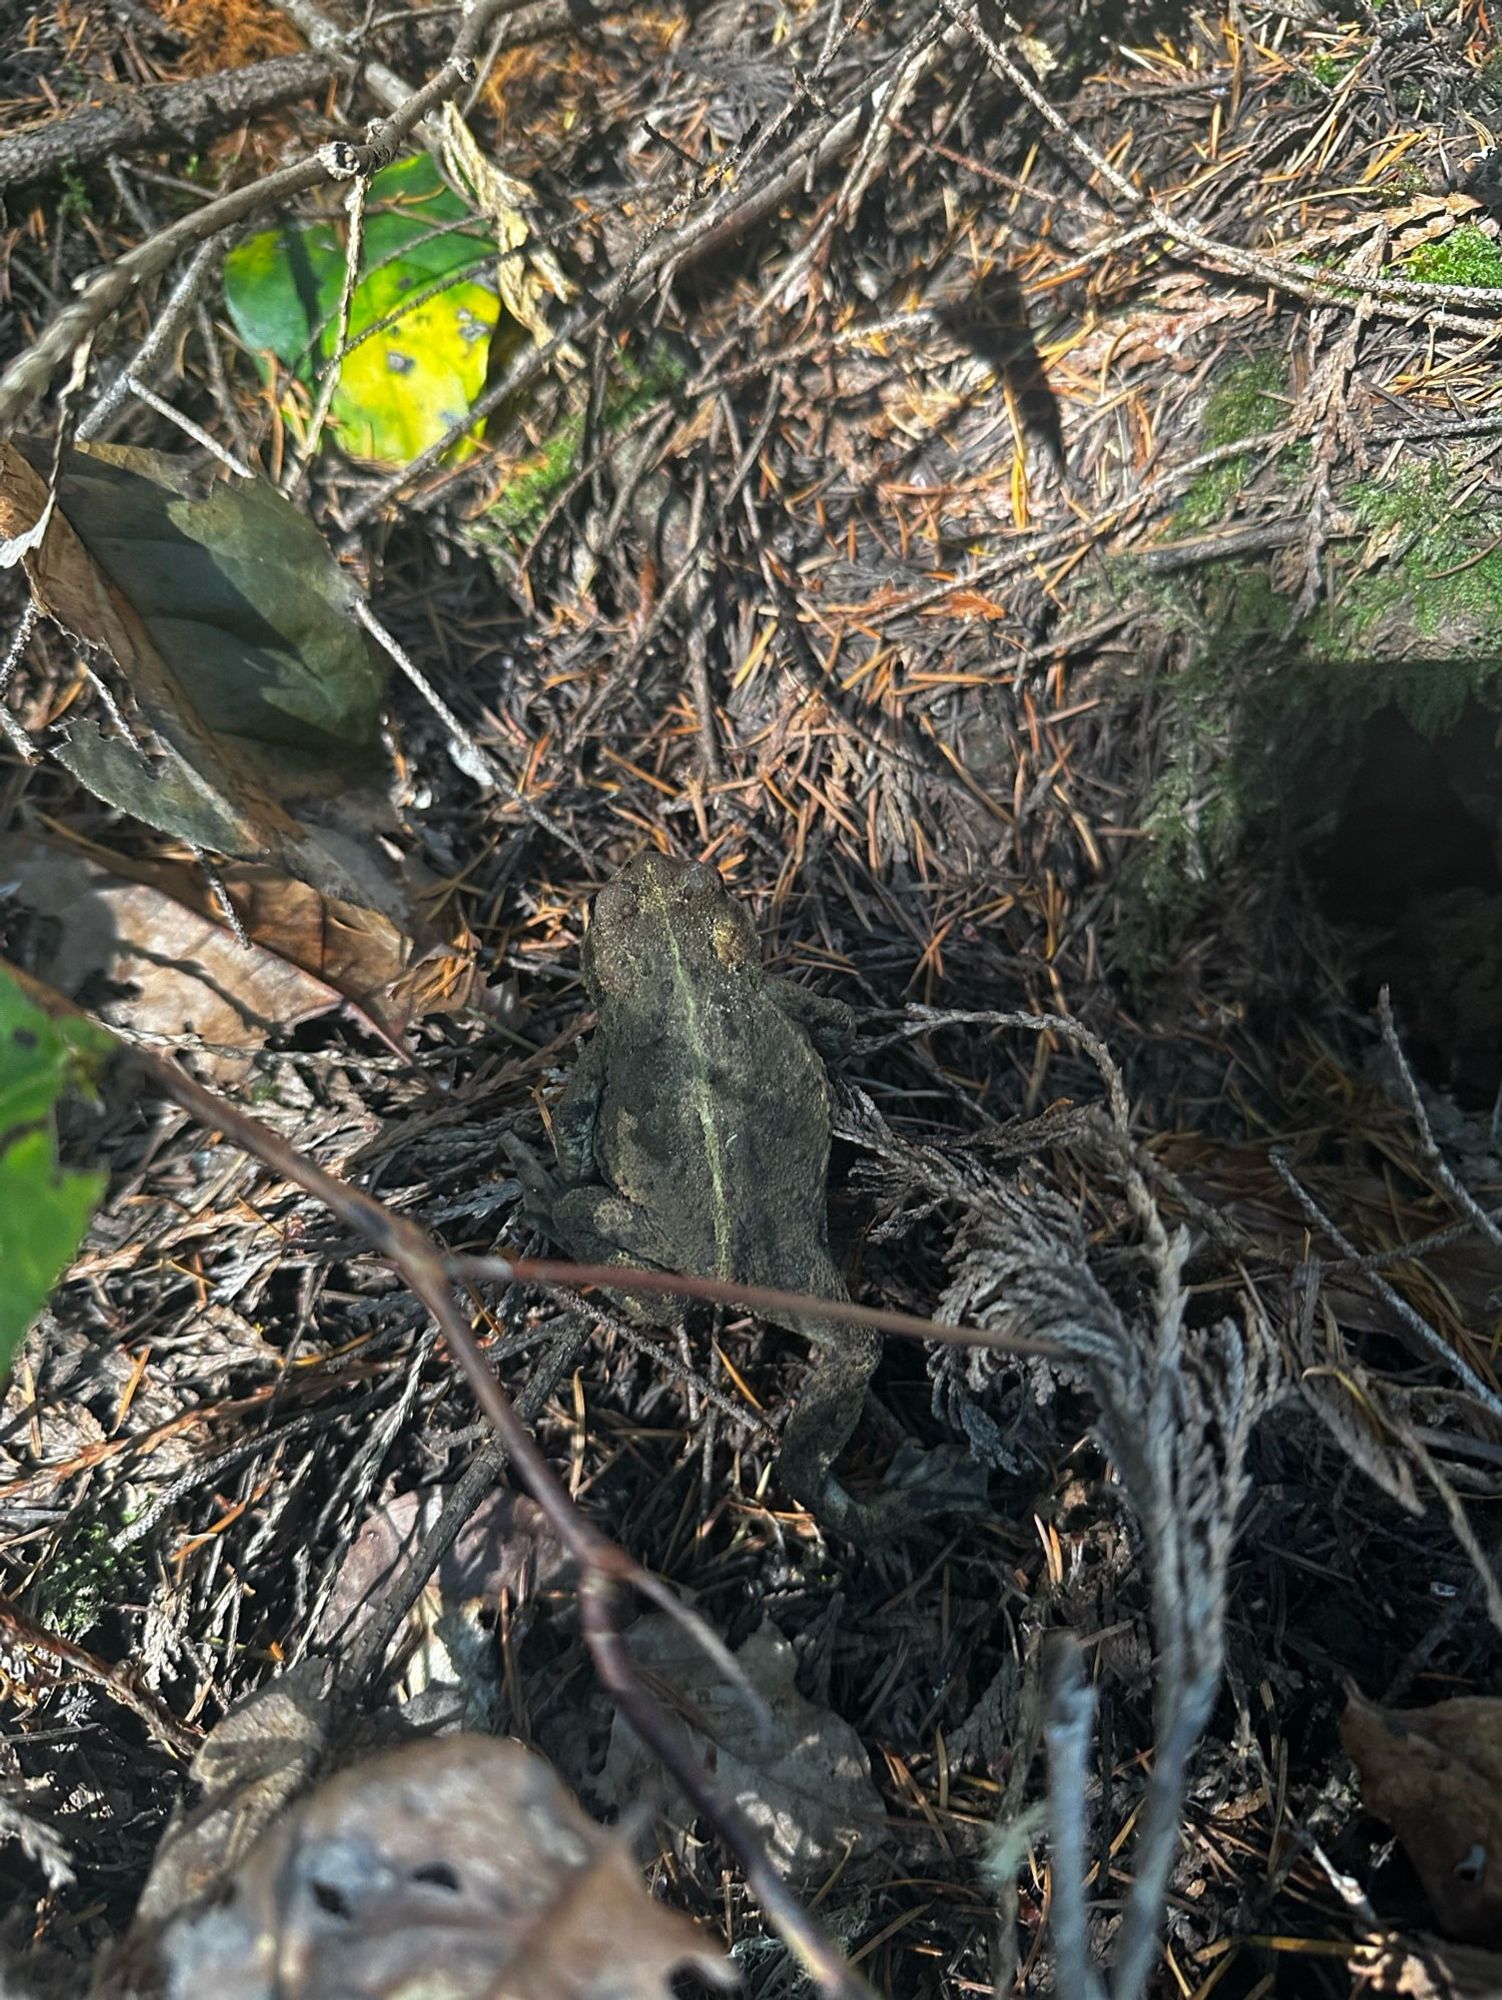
x=823 y=1420
x=598 y=1226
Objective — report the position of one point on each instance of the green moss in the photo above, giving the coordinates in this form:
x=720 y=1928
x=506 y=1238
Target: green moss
x=1246 y=401
x=1406 y=180
x=1245 y=610
x=1331 y=70
x=1442 y=581
x=1312 y=80
x=1467 y=256
x=1210 y=495
x=80 y=1581
x=524 y=499
x=74 y=200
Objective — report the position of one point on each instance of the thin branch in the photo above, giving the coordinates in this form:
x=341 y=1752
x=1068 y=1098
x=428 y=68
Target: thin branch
x=354 y=250
x=165 y=326
x=1430 y=1342
x=764 y=1299
x=646 y=269
x=25 y=1634
x=1305 y=281
x=1068 y=1732
x=158 y=116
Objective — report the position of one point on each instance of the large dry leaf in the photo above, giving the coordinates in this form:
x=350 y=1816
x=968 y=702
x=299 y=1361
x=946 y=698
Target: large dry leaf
x=149 y=966
x=144 y=945
x=450 y=1664
x=1435 y=1775
x=805 y=1782
x=248 y=1769
x=505 y=1545
x=448 y=1869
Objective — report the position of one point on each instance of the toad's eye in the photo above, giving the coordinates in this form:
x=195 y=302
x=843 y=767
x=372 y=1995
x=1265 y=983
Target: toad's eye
x=699 y=880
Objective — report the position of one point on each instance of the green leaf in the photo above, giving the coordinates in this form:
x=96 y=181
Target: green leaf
x=44 y=1209
x=165 y=792
x=400 y=388
x=238 y=636
x=279 y=286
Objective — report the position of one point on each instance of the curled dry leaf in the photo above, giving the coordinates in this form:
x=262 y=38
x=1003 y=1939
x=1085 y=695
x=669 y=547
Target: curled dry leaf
x=450 y=1661
x=505 y=1545
x=805 y=1781
x=1435 y=1775
x=143 y=946
x=249 y=1767
x=456 y=1868
x=526 y=272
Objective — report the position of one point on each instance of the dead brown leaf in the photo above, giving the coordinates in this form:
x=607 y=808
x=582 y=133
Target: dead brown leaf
x=505 y=1545
x=393 y=973
x=227 y=628
x=144 y=944
x=1435 y=1775
x=805 y=1780
x=451 y=1869
x=147 y=964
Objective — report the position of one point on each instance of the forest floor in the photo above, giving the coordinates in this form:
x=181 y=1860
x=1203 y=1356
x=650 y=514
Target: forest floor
x=1041 y=549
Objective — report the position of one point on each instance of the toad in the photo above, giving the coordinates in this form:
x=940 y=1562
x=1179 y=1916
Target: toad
x=693 y=1136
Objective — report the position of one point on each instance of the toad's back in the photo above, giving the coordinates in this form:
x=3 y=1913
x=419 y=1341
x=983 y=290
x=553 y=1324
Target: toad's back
x=714 y=1119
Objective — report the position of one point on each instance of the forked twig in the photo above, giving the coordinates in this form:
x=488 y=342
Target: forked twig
x=1298 y=280
x=1477 y=1217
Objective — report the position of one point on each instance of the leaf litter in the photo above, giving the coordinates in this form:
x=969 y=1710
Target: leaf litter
x=232 y=629
x=803 y=1775
x=896 y=622
x=458 y=1869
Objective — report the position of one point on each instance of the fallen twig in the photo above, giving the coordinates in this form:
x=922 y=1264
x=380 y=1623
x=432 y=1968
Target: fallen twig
x=160 y=115
x=29 y=375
